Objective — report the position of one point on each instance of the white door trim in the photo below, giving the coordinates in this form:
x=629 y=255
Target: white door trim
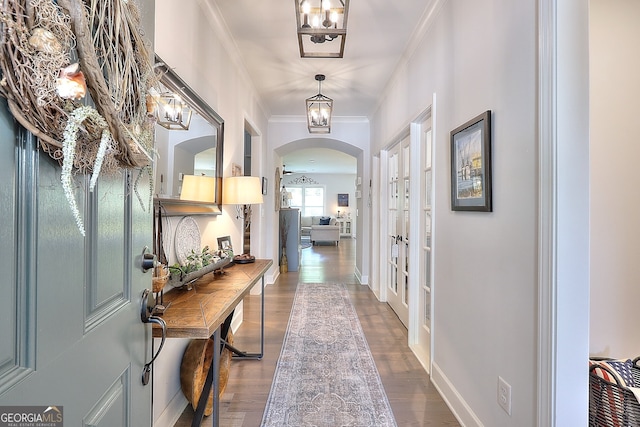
x=563 y=228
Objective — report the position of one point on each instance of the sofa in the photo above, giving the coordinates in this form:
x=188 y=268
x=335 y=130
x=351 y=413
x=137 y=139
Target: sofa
x=320 y=229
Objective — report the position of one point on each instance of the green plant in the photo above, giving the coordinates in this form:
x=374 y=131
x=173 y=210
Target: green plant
x=200 y=260
x=195 y=262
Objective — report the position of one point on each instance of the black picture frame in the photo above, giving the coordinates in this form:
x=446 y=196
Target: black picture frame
x=343 y=199
x=224 y=243
x=264 y=186
x=471 y=186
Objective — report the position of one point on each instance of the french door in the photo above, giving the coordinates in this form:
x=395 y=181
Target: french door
x=422 y=347
x=398 y=230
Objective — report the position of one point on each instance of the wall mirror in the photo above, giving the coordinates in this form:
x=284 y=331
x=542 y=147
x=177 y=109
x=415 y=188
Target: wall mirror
x=189 y=145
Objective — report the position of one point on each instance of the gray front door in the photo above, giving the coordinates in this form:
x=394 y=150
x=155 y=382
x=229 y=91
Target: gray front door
x=71 y=335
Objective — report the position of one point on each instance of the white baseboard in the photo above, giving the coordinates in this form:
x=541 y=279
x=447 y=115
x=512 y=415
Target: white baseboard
x=463 y=413
x=362 y=279
x=172 y=412
x=271 y=279
x=421 y=356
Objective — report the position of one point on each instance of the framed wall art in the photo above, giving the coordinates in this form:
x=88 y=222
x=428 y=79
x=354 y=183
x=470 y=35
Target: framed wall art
x=343 y=199
x=471 y=165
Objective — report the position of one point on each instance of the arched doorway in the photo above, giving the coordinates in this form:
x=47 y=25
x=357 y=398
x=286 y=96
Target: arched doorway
x=359 y=202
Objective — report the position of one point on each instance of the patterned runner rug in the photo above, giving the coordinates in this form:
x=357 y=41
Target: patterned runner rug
x=326 y=376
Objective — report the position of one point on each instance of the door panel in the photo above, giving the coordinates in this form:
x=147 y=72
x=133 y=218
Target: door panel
x=16 y=338
x=398 y=231
x=111 y=409
x=423 y=345
x=74 y=331
x=107 y=265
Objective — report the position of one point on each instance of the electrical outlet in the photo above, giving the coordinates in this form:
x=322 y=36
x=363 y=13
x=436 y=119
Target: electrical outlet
x=504 y=395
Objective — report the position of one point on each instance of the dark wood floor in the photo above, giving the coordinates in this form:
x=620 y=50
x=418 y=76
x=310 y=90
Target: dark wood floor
x=414 y=400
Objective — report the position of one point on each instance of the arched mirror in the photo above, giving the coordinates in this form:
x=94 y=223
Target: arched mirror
x=189 y=145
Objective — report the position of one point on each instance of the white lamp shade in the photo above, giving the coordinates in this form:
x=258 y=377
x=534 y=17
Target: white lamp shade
x=242 y=190
x=198 y=188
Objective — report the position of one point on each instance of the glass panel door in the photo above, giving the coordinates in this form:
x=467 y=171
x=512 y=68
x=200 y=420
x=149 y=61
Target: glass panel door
x=398 y=237
x=426 y=273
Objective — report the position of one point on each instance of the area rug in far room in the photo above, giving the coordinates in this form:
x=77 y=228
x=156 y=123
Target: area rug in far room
x=326 y=376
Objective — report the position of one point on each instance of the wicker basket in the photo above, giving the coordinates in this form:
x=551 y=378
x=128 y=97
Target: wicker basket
x=612 y=404
x=160 y=278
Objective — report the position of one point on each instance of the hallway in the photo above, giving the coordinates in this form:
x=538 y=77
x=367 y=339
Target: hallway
x=414 y=400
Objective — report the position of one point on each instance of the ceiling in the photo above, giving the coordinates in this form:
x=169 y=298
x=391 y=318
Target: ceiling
x=319 y=160
x=378 y=33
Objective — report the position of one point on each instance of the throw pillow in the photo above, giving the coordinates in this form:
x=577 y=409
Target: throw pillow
x=325 y=220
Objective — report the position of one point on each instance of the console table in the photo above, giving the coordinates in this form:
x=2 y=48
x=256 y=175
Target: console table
x=201 y=311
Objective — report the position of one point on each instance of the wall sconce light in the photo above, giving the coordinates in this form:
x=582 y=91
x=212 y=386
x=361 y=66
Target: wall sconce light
x=319 y=109
x=198 y=188
x=242 y=191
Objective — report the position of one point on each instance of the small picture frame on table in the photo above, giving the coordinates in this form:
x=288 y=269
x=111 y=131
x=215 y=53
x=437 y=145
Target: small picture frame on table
x=224 y=243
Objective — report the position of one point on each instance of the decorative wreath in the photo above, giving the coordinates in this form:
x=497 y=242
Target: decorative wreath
x=51 y=54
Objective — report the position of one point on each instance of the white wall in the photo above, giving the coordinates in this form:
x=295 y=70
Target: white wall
x=478 y=56
x=190 y=38
x=615 y=205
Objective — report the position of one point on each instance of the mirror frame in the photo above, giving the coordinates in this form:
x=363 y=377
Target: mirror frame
x=177 y=207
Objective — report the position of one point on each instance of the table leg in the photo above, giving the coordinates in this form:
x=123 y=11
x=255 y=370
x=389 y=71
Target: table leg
x=215 y=366
x=252 y=356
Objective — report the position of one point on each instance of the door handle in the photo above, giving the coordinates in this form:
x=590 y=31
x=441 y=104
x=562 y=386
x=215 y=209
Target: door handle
x=148 y=315
x=149 y=260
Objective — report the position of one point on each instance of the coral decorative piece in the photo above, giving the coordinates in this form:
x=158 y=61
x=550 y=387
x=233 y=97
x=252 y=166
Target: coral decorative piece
x=70 y=83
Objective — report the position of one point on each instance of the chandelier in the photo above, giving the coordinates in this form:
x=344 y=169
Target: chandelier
x=319 y=109
x=319 y=27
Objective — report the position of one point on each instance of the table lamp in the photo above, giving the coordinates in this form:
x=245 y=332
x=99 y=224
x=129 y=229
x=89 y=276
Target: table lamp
x=242 y=191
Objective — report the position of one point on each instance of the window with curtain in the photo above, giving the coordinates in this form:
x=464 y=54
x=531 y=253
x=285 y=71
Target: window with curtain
x=310 y=200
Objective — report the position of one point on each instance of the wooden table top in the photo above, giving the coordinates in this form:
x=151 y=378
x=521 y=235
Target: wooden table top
x=199 y=312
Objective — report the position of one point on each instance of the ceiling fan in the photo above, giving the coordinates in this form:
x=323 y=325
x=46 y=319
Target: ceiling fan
x=285 y=171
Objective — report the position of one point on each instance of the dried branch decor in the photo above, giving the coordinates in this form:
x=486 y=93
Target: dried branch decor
x=44 y=84
x=112 y=55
